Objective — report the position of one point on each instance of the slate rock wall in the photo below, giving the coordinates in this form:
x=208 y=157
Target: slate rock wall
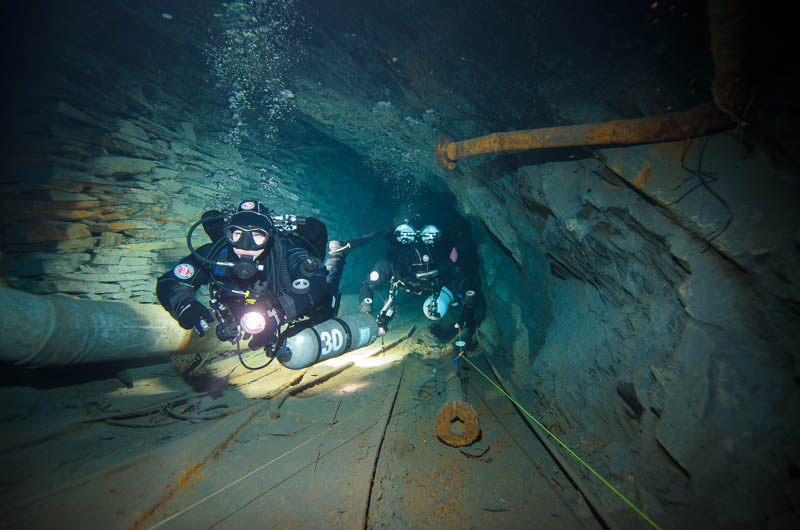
x=667 y=358
x=115 y=146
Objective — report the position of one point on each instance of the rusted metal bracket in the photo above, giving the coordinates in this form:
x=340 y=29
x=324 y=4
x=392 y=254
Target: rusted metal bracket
x=730 y=46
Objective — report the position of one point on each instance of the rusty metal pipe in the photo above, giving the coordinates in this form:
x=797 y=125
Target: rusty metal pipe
x=730 y=49
x=698 y=121
x=456 y=422
x=56 y=330
x=731 y=91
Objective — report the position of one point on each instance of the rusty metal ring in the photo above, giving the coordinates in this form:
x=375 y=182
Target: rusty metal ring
x=449 y=413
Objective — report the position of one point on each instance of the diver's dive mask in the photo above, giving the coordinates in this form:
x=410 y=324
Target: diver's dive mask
x=430 y=235
x=407 y=234
x=246 y=238
x=249 y=230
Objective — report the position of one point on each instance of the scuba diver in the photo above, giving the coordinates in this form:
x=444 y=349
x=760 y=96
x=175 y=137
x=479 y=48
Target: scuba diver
x=267 y=284
x=423 y=263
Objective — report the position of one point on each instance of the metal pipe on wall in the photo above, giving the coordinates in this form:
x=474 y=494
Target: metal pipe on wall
x=731 y=93
x=698 y=121
x=44 y=331
x=730 y=48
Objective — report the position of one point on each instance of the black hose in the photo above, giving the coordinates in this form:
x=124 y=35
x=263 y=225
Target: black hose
x=285 y=281
x=241 y=360
x=197 y=256
x=310 y=245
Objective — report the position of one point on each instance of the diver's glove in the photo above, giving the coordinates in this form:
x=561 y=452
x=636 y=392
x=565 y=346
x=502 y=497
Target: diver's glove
x=195 y=315
x=466 y=319
x=383 y=320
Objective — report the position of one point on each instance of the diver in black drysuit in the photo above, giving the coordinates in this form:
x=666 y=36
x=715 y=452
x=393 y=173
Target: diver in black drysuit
x=258 y=264
x=423 y=263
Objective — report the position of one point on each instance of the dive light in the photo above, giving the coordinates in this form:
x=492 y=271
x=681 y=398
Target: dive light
x=253 y=322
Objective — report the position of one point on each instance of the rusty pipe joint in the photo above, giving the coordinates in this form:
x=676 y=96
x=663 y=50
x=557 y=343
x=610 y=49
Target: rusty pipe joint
x=456 y=422
x=440 y=152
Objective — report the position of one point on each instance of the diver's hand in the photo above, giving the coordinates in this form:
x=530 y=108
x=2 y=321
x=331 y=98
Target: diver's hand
x=466 y=319
x=265 y=338
x=195 y=315
x=381 y=331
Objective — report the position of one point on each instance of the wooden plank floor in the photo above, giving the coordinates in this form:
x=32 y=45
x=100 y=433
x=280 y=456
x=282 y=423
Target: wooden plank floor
x=348 y=444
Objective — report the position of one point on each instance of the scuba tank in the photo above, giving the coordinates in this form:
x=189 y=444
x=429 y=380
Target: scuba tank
x=327 y=340
x=437 y=304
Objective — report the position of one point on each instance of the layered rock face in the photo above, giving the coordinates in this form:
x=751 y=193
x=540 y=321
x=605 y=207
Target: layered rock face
x=653 y=346
x=642 y=300
x=119 y=140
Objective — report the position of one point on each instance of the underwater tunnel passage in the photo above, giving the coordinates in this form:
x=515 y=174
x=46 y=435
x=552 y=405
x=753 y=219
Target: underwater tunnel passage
x=654 y=341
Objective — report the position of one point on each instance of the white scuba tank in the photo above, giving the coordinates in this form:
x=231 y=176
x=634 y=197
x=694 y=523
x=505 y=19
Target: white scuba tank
x=443 y=302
